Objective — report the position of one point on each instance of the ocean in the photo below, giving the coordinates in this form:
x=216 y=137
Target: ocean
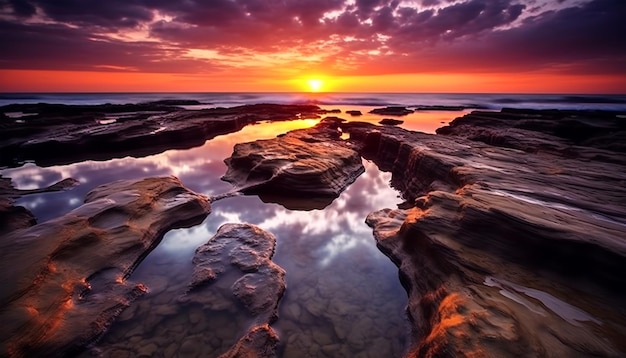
x=491 y=101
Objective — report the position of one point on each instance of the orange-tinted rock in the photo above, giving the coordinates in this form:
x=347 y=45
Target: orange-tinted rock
x=63 y=281
x=505 y=252
x=309 y=164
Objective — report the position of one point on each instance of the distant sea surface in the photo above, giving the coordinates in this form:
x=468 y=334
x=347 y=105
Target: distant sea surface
x=214 y=99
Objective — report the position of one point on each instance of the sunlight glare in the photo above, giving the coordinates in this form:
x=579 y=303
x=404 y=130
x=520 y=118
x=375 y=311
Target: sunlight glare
x=315 y=85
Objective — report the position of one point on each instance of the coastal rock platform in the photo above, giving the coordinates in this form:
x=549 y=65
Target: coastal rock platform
x=507 y=247
x=511 y=240
x=75 y=133
x=305 y=168
x=64 y=281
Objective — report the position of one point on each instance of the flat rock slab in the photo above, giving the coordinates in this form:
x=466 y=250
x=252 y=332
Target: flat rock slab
x=63 y=281
x=392 y=111
x=259 y=283
x=61 y=134
x=506 y=251
x=311 y=164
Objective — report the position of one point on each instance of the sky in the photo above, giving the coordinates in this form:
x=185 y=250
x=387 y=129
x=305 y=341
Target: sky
x=519 y=46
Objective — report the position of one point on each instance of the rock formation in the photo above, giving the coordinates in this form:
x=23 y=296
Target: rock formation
x=392 y=111
x=311 y=165
x=505 y=252
x=510 y=242
x=571 y=134
x=259 y=287
x=60 y=134
x=63 y=281
x=390 y=121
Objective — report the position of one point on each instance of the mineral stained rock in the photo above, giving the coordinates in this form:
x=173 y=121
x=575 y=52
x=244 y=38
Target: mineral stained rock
x=61 y=134
x=63 y=281
x=260 y=285
x=506 y=252
x=312 y=164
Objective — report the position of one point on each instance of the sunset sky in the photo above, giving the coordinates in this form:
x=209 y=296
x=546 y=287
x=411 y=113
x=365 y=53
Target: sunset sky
x=541 y=46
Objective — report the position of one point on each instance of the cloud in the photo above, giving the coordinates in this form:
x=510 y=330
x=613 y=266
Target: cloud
x=339 y=36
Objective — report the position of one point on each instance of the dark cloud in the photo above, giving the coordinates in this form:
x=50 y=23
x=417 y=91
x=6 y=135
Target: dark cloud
x=60 y=47
x=22 y=8
x=110 y=13
x=471 y=35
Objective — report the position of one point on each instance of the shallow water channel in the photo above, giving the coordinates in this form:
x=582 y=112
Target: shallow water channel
x=343 y=297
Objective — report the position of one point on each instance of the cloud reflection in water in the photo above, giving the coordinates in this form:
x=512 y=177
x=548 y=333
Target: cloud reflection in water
x=341 y=289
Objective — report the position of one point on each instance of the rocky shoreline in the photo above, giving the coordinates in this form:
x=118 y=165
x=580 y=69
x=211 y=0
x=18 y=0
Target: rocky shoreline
x=511 y=240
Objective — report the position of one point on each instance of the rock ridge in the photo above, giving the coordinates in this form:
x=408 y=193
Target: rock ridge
x=310 y=166
x=64 y=281
x=504 y=251
x=76 y=133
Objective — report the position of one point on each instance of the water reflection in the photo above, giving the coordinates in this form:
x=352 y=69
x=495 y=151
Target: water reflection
x=343 y=296
x=422 y=121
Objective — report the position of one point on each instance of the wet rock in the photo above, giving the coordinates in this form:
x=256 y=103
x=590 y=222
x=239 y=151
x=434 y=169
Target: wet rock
x=259 y=342
x=392 y=111
x=61 y=134
x=260 y=285
x=63 y=281
x=303 y=167
x=504 y=252
x=391 y=121
x=423 y=107
x=571 y=134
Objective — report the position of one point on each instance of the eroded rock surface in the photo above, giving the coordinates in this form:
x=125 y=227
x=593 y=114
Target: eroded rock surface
x=60 y=134
x=505 y=252
x=571 y=134
x=63 y=281
x=245 y=252
x=312 y=164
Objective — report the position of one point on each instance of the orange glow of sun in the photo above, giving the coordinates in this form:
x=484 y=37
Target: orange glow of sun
x=315 y=84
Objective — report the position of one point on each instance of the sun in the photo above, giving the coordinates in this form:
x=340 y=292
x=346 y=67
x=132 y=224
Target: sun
x=315 y=84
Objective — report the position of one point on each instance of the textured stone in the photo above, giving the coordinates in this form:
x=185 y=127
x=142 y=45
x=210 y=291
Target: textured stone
x=63 y=281
x=60 y=134
x=504 y=250
x=259 y=342
x=248 y=250
x=309 y=167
